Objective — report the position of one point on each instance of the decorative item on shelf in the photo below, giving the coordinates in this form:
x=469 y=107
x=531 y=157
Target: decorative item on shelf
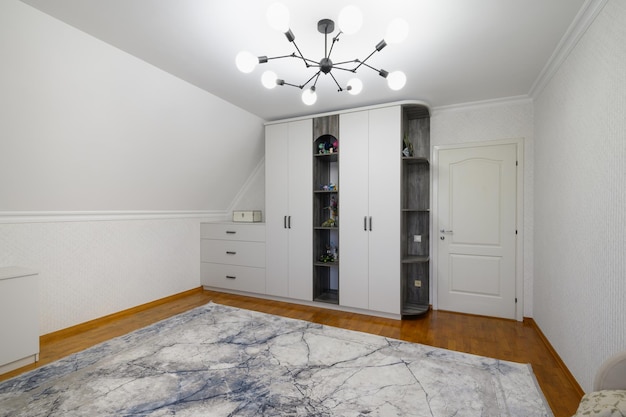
x=247 y=216
x=328 y=187
x=325 y=148
x=408 y=147
x=332 y=220
x=349 y=22
x=330 y=255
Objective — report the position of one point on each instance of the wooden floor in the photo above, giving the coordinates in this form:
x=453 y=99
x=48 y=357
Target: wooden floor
x=497 y=338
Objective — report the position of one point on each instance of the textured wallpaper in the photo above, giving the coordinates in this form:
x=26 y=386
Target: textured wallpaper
x=88 y=269
x=580 y=199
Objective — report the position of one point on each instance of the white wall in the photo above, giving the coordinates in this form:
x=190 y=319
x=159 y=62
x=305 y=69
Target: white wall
x=107 y=166
x=580 y=199
x=493 y=121
x=85 y=126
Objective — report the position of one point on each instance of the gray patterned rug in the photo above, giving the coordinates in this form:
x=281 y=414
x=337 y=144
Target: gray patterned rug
x=222 y=361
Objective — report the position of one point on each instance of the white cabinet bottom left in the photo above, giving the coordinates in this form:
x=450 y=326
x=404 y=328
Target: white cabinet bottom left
x=232 y=256
x=19 y=318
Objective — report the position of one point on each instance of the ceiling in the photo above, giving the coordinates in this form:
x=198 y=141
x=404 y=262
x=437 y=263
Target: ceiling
x=458 y=51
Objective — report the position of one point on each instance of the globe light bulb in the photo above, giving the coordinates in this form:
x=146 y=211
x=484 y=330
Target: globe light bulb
x=268 y=79
x=355 y=86
x=246 y=62
x=396 y=80
x=278 y=17
x=309 y=96
x=350 y=20
x=397 y=31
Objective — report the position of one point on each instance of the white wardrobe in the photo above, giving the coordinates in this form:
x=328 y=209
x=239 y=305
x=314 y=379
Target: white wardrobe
x=368 y=160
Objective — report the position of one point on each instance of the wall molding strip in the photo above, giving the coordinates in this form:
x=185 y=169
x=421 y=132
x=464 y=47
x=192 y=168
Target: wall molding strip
x=90 y=216
x=585 y=17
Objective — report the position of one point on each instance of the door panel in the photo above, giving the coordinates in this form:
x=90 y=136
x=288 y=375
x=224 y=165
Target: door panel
x=276 y=209
x=353 y=209
x=477 y=224
x=384 y=208
x=300 y=210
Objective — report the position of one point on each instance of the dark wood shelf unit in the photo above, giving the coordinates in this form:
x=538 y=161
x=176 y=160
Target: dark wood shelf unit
x=415 y=212
x=325 y=236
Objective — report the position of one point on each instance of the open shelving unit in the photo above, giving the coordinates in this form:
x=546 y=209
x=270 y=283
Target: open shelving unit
x=415 y=211
x=326 y=209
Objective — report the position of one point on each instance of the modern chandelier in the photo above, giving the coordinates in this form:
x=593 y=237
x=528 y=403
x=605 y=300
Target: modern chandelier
x=349 y=22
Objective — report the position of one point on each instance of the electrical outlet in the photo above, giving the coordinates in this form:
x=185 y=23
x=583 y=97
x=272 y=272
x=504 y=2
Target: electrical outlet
x=417 y=238
x=418 y=283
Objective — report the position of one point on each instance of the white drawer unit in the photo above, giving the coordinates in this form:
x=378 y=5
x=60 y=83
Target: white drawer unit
x=232 y=256
x=233 y=277
x=233 y=231
x=233 y=252
x=19 y=318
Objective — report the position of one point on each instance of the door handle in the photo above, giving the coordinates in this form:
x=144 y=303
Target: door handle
x=445 y=231
x=365 y=223
x=370 y=223
x=284 y=222
x=289 y=222
x=228 y=252
x=231 y=277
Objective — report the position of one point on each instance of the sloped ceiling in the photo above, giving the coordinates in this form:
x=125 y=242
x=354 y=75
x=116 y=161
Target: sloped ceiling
x=458 y=51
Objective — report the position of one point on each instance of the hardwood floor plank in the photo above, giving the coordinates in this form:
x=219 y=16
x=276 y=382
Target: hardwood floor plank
x=502 y=339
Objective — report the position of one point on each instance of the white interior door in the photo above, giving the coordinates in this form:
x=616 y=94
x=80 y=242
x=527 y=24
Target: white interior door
x=476 y=231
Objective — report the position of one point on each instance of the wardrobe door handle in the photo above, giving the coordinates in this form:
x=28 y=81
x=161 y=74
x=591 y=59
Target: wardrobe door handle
x=365 y=223
x=284 y=222
x=230 y=232
x=370 y=223
x=289 y=222
x=231 y=277
x=228 y=252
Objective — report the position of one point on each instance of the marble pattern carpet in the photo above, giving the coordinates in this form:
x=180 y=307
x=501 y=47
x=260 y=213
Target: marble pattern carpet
x=222 y=361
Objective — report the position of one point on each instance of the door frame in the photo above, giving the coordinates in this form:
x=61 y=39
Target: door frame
x=519 y=244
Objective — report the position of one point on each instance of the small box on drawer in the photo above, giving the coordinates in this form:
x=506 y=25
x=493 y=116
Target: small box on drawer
x=247 y=216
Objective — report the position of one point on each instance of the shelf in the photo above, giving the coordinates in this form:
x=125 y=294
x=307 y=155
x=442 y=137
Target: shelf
x=415 y=210
x=415 y=259
x=415 y=160
x=328 y=296
x=326 y=264
x=415 y=309
x=331 y=157
x=325 y=191
x=325 y=228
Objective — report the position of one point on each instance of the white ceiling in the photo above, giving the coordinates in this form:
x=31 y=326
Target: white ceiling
x=458 y=51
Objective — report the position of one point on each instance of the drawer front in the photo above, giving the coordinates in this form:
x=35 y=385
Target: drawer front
x=233 y=252
x=233 y=277
x=232 y=231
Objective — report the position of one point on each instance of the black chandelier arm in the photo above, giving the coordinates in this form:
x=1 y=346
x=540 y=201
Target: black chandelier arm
x=380 y=72
x=282 y=82
x=378 y=48
x=335 y=80
x=316 y=76
x=332 y=45
x=301 y=56
x=353 y=70
x=308 y=62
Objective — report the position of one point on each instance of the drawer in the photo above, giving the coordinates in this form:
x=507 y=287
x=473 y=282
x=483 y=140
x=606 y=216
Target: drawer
x=232 y=231
x=233 y=277
x=233 y=252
